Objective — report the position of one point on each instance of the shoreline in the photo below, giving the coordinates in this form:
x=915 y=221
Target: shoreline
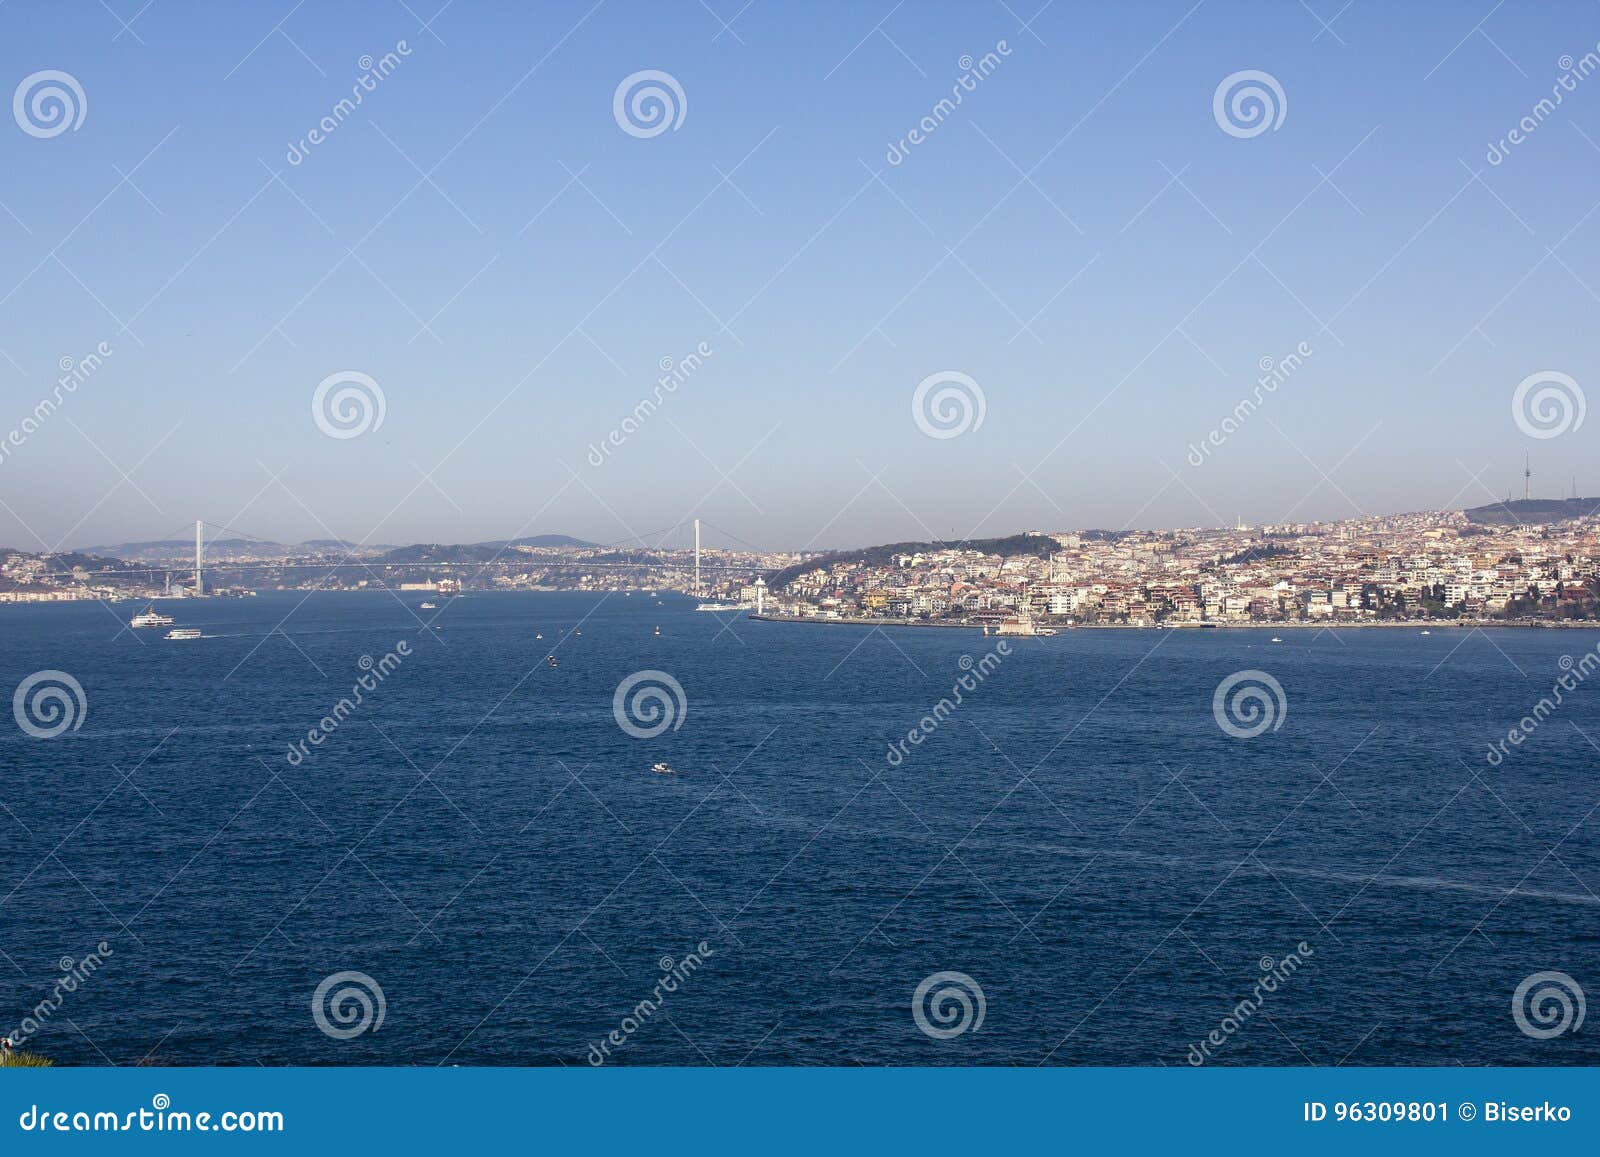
x=1408 y=624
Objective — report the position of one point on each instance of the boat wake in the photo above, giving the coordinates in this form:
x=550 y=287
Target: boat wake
x=1253 y=865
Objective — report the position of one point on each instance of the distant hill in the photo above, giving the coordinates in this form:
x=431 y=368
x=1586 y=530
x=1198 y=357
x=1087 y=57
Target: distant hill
x=222 y=549
x=339 y=544
x=60 y=565
x=1105 y=535
x=1533 y=511
x=470 y=552
x=545 y=540
x=70 y=559
x=1038 y=545
x=437 y=553
x=184 y=548
x=122 y=548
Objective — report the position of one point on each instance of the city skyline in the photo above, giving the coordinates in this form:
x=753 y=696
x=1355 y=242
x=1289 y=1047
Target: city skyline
x=600 y=327
x=1519 y=560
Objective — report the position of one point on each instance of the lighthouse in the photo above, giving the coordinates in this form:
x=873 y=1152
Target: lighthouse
x=761 y=594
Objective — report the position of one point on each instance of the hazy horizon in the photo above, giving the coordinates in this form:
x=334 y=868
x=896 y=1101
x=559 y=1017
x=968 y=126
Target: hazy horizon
x=1089 y=240
x=713 y=539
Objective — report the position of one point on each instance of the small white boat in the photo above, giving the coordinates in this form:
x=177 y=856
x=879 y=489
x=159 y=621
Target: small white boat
x=1275 y=639
x=662 y=769
x=658 y=630
x=184 y=633
x=430 y=606
x=1427 y=632
x=149 y=618
x=538 y=636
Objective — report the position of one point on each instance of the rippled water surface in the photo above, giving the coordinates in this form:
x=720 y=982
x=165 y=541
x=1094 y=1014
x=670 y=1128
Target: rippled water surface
x=1079 y=836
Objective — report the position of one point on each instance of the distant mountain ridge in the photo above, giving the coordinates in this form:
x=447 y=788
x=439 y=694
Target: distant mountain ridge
x=173 y=544
x=1532 y=511
x=545 y=540
x=436 y=552
x=223 y=548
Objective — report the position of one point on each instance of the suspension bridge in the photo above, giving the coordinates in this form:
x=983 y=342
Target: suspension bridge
x=696 y=563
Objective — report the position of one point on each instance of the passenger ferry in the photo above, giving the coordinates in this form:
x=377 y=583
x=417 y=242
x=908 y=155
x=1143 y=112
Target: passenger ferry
x=149 y=618
x=1025 y=627
x=184 y=633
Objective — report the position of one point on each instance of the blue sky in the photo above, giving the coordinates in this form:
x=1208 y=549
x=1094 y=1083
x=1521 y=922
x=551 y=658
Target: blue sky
x=1079 y=237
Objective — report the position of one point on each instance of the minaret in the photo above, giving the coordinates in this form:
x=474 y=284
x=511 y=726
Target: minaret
x=1527 y=476
x=199 y=557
